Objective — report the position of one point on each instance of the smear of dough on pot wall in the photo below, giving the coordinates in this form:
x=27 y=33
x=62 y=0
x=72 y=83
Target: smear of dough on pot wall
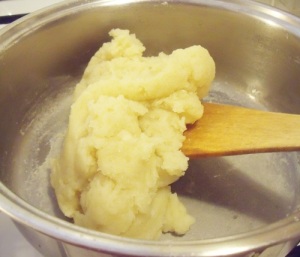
x=122 y=148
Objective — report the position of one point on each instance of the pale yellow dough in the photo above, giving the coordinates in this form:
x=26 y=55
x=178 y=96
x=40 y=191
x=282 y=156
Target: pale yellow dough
x=122 y=148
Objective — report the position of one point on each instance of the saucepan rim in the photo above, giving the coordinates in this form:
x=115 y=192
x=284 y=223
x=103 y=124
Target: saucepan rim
x=275 y=233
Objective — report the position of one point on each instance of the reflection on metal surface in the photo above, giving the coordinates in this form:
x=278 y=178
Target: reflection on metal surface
x=292 y=6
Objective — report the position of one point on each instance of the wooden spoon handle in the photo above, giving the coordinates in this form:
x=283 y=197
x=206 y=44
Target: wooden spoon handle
x=231 y=130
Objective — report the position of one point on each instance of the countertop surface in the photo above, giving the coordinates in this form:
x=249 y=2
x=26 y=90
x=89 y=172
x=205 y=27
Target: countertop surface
x=12 y=242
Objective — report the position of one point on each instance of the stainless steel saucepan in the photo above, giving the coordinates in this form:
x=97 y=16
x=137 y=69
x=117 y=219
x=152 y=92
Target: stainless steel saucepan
x=244 y=205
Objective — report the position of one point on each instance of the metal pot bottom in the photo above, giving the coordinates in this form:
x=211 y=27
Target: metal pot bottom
x=227 y=195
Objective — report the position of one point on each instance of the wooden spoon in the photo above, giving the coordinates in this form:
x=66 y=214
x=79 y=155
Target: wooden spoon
x=231 y=130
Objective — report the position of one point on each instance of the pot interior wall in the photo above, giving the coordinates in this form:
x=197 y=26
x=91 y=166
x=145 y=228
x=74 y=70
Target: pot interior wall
x=257 y=66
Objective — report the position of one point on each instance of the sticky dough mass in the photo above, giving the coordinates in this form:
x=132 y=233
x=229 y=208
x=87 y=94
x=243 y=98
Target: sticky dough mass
x=122 y=147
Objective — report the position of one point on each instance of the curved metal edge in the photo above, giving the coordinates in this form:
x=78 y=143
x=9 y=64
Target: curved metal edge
x=19 y=210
